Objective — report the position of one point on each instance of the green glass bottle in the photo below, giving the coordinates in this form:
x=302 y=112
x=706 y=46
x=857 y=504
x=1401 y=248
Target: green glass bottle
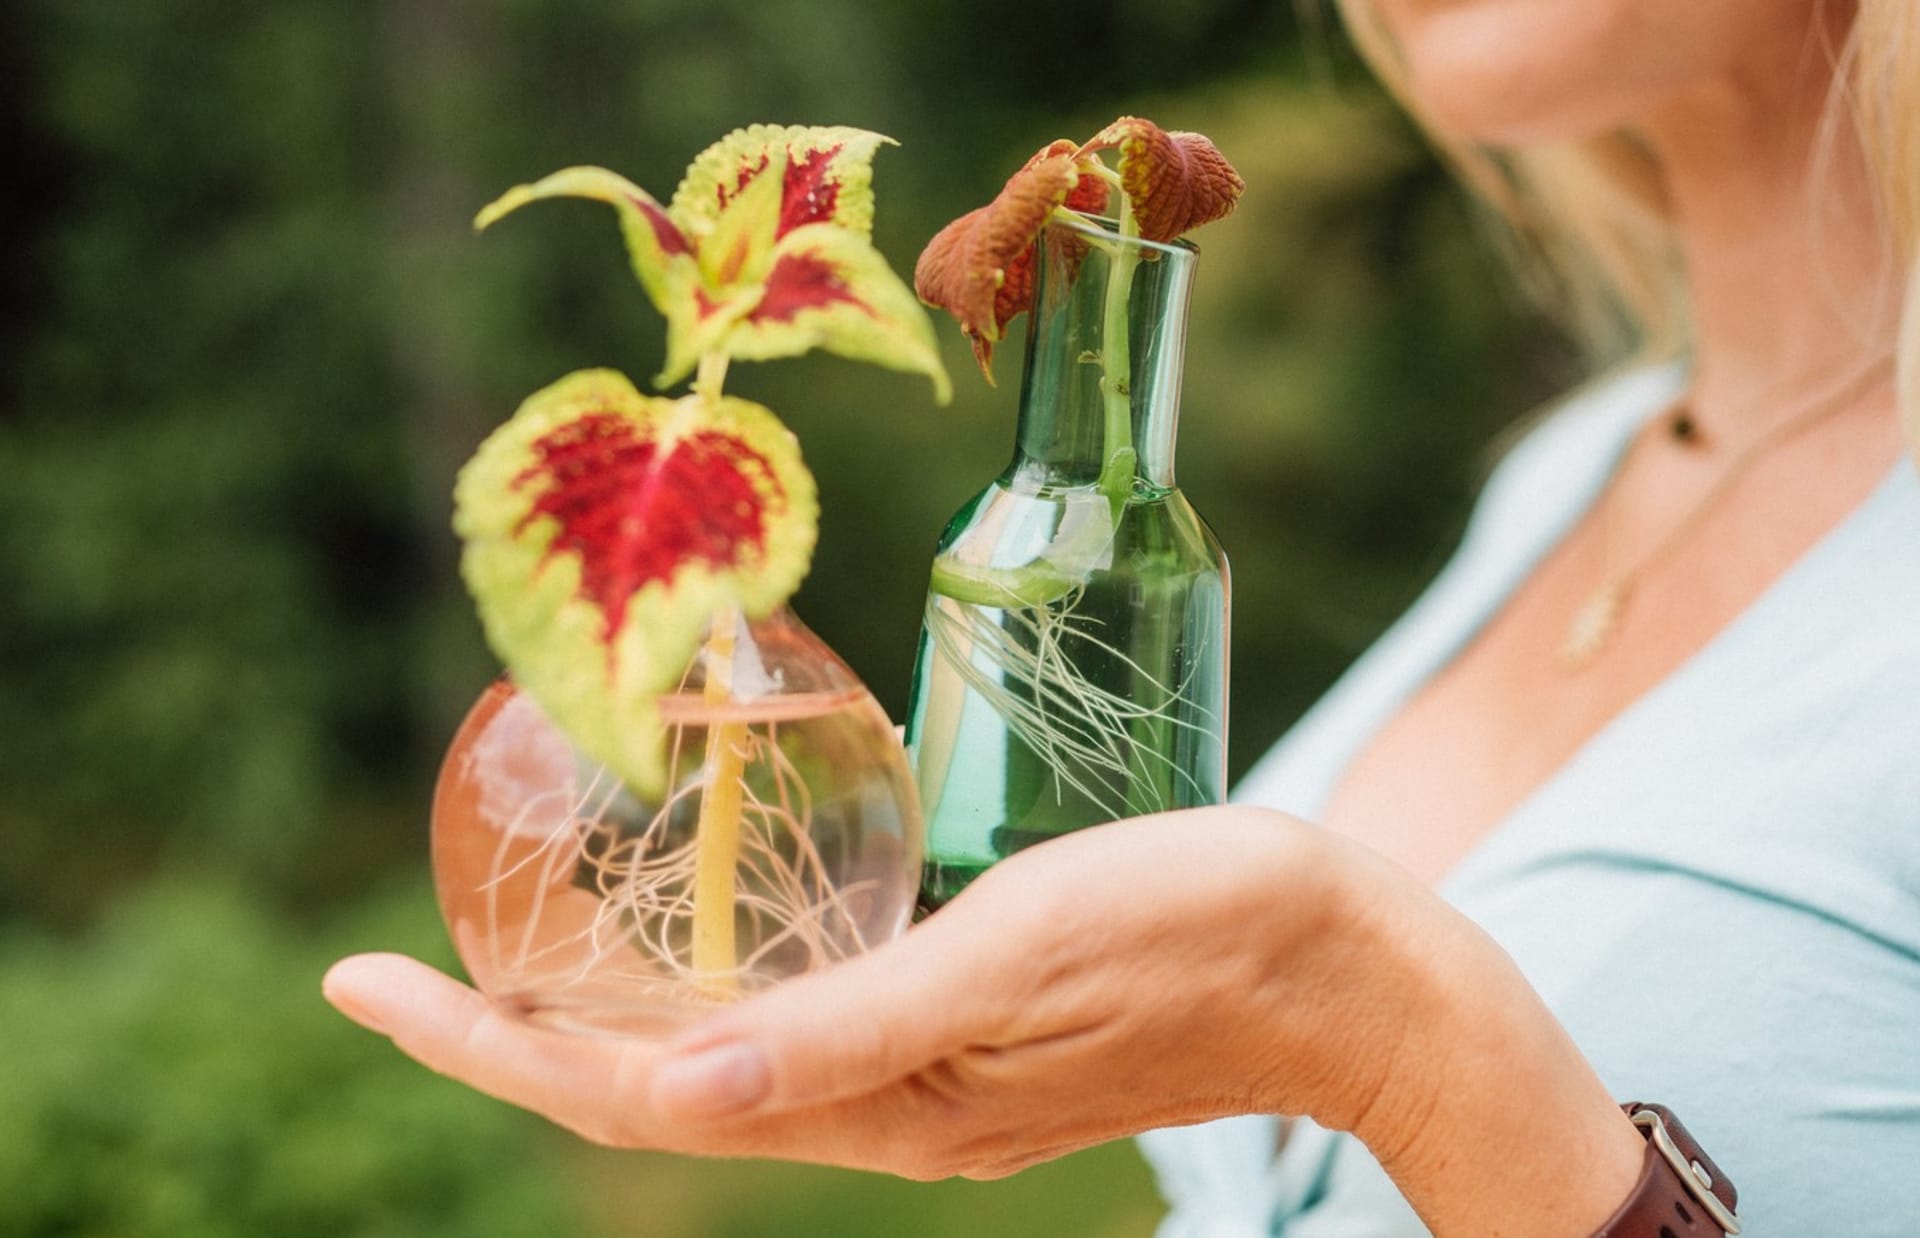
x=1073 y=661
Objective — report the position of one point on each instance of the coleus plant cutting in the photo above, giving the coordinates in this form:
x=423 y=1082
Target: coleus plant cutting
x=980 y=267
x=1073 y=659
x=617 y=543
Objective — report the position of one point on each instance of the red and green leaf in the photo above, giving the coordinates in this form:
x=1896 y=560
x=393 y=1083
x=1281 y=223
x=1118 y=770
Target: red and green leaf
x=828 y=288
x=656 y=245
x=736 y=245
x=825 y=176
x=979 y=268
x=603 y=532
x=1175 y=182
x=733 y=261
x=740 y=264
x=698 y=322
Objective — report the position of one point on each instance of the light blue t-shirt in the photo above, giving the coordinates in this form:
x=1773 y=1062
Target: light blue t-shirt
x=1718 y=895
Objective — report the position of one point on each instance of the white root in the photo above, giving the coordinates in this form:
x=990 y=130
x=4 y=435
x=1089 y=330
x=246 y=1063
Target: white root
x=1024 y=663
x=643 y=877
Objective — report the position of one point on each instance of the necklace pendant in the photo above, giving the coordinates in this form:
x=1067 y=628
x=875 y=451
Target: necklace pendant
x=1593 y=625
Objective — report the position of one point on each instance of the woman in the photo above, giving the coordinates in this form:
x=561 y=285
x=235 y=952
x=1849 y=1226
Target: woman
x=1655 y=729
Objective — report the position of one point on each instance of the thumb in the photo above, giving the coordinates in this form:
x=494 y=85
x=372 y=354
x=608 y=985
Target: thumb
x=852 y=1029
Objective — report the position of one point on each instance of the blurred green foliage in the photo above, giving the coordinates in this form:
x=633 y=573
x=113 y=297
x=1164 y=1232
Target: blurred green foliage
x=246 y=338
x=170 y=1077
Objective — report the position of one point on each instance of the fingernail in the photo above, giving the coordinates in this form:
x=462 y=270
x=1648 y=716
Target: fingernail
x=712 y=1083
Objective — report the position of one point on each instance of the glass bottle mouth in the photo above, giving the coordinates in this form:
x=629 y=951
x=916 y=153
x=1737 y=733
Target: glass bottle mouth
x=1106 y=229
x=1100 y=397
x=777 y=668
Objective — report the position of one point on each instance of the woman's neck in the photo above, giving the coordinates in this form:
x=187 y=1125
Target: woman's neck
x=1790 y=266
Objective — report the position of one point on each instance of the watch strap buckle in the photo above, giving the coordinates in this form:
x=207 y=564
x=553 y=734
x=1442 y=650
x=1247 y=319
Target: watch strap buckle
x=1703 y=1180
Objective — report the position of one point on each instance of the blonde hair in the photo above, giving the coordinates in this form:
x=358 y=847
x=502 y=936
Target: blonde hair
x=1590 y=222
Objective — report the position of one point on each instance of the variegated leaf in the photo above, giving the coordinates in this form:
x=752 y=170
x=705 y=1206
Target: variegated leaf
x=698 y=322
x=739 y=249
x=825 y=175
x=655 y=244
x=733 y=261
x=604 y=530
x=828 y=288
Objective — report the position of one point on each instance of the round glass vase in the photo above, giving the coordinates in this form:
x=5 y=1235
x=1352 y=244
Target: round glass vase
x=789 y=837
x=1073 y=658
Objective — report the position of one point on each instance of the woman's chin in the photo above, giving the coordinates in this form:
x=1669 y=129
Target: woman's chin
x=1522 y=74
x=1504 y=121
x=1515 y=104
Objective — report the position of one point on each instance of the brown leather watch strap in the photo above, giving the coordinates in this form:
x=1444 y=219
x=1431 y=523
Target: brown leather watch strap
x=1681 y=1192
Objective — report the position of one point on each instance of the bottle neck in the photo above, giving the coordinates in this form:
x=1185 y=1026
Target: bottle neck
x=1100 y=399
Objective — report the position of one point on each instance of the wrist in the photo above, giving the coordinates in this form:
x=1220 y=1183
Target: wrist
x=1481 y=1108
x=1519 y=1137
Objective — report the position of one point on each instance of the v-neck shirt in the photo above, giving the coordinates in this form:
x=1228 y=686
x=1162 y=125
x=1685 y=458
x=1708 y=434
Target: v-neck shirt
x=1718 y=893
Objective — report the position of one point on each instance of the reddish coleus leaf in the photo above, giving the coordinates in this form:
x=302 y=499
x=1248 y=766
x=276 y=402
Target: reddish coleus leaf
x=604 y=530
x=979 y=268
x=1174 y=182
x=744 y=215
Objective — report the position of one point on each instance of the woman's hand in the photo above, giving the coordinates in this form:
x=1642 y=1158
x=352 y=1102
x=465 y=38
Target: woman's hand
x=1156 y=971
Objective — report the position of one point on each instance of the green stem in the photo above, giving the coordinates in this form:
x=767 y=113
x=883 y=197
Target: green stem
x=1049 y=579
x=1005 y=588
x=717 y=834
x=711 y=376
x=1116 y=364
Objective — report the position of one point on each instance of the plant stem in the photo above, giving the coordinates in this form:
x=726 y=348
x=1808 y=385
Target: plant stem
x=717 y=856
x=717 y=834
x=1035 y=584
x=712 y=374
x=1116 y=365
x=1053 y=576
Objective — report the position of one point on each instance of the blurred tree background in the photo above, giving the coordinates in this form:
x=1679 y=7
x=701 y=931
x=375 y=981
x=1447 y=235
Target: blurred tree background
x=246 y=338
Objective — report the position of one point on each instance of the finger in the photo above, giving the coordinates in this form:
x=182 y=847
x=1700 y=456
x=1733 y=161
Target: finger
x=837 y=1034
x=451 y=1029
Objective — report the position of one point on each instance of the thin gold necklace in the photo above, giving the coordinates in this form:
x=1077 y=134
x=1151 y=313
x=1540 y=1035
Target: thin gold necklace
x=1595 y=620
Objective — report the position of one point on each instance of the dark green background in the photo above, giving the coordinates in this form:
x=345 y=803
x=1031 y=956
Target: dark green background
x=247 y=336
